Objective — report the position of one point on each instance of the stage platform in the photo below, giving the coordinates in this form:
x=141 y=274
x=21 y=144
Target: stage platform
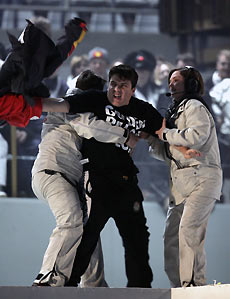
x=205 y=292
x=82 y=293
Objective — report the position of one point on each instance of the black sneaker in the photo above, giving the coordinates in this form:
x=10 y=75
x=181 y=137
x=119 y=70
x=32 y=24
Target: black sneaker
x=37 y=282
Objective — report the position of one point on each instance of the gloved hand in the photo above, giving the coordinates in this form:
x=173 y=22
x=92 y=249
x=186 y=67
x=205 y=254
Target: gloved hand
x=75 y=31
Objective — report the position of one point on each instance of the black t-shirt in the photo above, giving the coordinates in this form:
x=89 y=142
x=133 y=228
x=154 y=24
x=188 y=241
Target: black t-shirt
x=136 y=116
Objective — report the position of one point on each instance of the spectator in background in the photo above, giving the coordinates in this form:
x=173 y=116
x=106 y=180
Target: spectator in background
x=161 y=78
x=153 y=174
x=144 y=63
x=218 y=94
x=184 y=59
x=222 y=69
x=78 y=64
x=161 y=73
x=99 y=62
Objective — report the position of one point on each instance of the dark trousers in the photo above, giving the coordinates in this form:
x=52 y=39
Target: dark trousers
x=118 y=197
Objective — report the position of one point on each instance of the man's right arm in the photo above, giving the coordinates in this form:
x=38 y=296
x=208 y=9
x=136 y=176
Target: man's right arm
x=55 y=105
x=17 y=112
x=86 y=101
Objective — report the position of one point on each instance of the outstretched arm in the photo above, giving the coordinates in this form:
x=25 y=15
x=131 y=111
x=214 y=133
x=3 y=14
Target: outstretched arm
x=55 y=105
x=17 y=112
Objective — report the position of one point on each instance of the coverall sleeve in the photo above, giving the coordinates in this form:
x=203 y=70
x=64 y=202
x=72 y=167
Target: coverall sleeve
x=196 y=130
x=87 y=125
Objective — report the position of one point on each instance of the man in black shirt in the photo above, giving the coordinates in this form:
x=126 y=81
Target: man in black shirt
x=112 y=175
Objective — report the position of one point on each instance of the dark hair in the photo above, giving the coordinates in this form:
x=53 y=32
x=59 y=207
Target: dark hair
x=126 y=72
x=187 y=57
x=88 y=80
x=141 y=59
x=194 y=83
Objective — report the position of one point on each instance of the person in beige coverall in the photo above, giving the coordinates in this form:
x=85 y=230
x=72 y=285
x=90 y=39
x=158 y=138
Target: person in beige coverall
x=195 y=182
x=55 y=175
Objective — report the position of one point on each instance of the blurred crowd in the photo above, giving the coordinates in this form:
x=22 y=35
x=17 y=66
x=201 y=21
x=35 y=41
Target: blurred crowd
x=152 y=87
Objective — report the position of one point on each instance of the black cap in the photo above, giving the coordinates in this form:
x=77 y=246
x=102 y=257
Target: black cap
x=141 y=59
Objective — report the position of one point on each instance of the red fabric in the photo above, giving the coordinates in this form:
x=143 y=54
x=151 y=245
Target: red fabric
x=16 y=111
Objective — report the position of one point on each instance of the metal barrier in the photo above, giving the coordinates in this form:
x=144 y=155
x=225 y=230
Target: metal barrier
x=114 y=12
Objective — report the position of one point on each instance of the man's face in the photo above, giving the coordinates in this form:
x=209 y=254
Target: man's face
x=223 y=66
x=176 y=85
x=99 y=67
x=119 y=91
